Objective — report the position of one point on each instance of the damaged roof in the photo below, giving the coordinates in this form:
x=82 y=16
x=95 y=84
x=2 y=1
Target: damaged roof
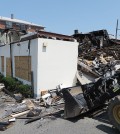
x=47 y=35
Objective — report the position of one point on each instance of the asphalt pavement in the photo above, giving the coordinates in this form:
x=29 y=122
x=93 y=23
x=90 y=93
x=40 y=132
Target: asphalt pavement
x=80 y=125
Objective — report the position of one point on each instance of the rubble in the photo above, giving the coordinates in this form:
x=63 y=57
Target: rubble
x=47 y=99
x=20 y=114
x=98 y=68
x=1 y=86
x=17 y=97
x=40 y=117
x=98 y=55
x=31 y=109
x=34 y=112
x=5 y=125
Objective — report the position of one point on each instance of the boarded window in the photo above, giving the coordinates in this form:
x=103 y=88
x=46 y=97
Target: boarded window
x=8 y=67
x=2 y=63
x=23 y=67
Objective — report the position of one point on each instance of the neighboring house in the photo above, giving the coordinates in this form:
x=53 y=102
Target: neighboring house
x=9 y=36
x=7 y=23
x=43 y=60
x=11 y=29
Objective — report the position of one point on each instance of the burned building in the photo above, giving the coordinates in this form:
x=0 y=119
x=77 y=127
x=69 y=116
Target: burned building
x=97 y=54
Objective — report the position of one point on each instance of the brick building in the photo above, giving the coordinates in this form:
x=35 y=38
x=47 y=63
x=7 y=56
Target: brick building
x=12 y=29
x=7 y=23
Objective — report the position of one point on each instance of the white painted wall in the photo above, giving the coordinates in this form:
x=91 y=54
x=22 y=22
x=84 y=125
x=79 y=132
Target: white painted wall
x=22 y=50
x=53 y=64
x=4 y=51
x=58 y=64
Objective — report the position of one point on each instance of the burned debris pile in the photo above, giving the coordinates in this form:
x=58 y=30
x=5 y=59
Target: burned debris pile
x=92 y=42
x=97 y=53
x=98 y=73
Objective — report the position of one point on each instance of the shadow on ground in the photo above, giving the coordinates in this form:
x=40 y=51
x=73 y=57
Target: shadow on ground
x=100 y=116
x=91 y=114
x=107 y=129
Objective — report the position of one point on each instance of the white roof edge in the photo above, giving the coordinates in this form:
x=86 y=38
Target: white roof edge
x=19 y=21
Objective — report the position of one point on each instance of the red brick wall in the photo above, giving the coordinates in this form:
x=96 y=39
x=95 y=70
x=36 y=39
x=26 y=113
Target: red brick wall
x=17 y=26
x=2 y=24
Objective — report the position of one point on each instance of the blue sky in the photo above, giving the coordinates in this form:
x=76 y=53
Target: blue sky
x=63 y=16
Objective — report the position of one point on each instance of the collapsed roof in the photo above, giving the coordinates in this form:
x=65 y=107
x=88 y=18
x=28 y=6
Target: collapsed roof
x=95 y=43
x=98 y=55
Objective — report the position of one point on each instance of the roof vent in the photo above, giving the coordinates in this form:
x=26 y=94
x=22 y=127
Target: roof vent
x=76 y=31
x=12 y=16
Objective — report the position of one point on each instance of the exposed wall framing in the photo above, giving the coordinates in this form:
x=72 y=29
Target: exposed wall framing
x=2 y=63
x=8 y=67
x=23 y=67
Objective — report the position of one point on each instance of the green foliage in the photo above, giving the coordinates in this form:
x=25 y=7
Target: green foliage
x=9 y=83
x=14 y=85
x=1 y=77
x=25 y=90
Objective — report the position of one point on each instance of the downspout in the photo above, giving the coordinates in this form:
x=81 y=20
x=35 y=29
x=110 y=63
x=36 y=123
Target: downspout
x=28 y=55
x=11 y=59
x=32 y=73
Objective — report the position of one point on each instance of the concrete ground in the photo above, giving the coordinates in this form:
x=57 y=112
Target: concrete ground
x=85 y=125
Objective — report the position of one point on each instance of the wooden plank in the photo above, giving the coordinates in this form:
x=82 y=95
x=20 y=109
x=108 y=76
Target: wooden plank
x=20 y=114
x=8 y=67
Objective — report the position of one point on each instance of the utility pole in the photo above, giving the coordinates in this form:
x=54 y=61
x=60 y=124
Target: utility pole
x=116 y=29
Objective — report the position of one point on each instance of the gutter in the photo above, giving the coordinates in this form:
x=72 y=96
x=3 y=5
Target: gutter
x=2 y=45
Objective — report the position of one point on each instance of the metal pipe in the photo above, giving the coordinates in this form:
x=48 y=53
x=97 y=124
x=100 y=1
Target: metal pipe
x=11 y=56
x=116 y=29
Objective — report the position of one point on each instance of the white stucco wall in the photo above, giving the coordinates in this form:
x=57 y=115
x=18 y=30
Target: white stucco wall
x=4 y=51
x=53 y=62
x=57 y=64
x=22 y=50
